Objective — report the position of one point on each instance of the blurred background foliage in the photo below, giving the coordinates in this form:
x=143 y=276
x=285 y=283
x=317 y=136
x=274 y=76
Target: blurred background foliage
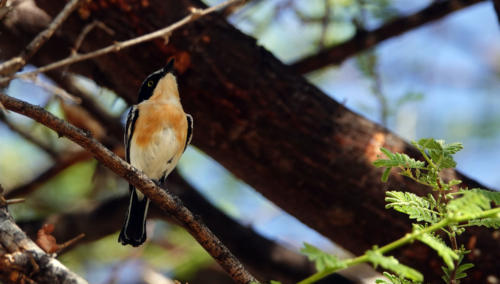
x=440 y=80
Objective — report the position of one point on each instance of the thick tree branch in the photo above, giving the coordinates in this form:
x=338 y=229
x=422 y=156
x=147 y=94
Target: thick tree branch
x=496 y=5
x=366 y=39
x=305 y=152
x=164 y=200
x=22 y=261
x=263 y=257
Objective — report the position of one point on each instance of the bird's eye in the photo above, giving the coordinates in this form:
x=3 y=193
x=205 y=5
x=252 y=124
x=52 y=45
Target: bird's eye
x=150 y=83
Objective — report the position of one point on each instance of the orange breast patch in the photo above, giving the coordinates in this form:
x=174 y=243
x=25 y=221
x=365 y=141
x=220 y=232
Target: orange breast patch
x=154 y=117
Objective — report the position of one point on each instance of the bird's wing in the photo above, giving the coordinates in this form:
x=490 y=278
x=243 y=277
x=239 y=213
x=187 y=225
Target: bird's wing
x=132 y=116
x=189 y=130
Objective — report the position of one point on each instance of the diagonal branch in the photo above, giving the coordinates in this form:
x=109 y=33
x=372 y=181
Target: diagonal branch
x=496 y=5
x=162 y=33
x=163 y=199
x=366 y=39
x=22 y=261
x=266 y=258
x=13 y=65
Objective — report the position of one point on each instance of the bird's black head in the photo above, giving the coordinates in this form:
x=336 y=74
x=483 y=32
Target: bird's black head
x=148 y=86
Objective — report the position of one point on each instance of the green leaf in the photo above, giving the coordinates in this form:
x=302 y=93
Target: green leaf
x=416 y=207
x=398 y=160
x=274 y=282
x=321 y=259
x=387 y=152
x=429 y=144
x=437 y=244
x=385 y=175
x=394 y=279
x=469 y=204
x=452 y=148
x=446 y=162
x=439 y=152
x=432 y=201
x=392 y=264
x=493 y=196
x=454 y=182
x=460 y=272
x=493 y=223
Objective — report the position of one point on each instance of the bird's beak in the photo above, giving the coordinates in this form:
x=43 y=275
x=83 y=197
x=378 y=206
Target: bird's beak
x=169 y=68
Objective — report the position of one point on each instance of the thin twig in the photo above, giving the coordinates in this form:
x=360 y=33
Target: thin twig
x=15 y=201
x=268 y=259
x=87 y=29
x=325 y=22
x=194 y=15
x=57 y=91
x=160 y=197
x=70 y=242
x=364 y=40
x=13 y=65
x=83 y=34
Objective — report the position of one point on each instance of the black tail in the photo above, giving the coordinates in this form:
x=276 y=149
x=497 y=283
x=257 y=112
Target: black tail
x=134 y=230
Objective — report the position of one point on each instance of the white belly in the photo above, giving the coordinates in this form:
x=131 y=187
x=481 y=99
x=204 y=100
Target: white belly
x=159 y=157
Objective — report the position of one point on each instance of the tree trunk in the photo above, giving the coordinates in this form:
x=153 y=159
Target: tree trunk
x=266 y=124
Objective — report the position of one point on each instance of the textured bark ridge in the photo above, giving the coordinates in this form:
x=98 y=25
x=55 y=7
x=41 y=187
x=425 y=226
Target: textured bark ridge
x=22 y=261
x=266 y=124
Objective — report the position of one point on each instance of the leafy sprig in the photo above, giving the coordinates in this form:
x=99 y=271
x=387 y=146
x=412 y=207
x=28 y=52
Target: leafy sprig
x=446 y=211
x=414 y=206
x=321 y=259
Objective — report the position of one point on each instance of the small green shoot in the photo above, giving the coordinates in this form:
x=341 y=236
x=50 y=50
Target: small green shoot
x=445 y=212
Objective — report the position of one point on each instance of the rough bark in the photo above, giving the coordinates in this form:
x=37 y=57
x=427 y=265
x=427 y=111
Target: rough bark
x=22 y=261
x=265 y=258
x=270 y=127
x=163 y=199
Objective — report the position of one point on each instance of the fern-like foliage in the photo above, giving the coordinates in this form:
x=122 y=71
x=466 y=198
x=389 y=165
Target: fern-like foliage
x=460 y=271
x=392 y=264
x=397 y=160
x=439 y=152
x=322 y=260
x=393 y=279
x=437 y=244
x=443 y=209
x=493 y=223
x=470 y=203
x=419 y=208
x=493 y=196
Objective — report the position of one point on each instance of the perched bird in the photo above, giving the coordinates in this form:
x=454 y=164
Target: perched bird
x=157 y=133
